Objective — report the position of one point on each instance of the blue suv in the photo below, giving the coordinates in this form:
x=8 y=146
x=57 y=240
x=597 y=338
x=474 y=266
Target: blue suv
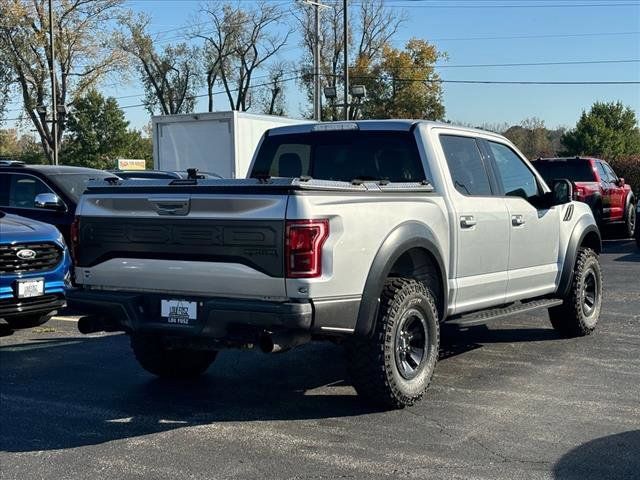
x=34 y=271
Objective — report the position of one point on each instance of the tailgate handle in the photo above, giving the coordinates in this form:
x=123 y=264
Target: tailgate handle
x=171 y=206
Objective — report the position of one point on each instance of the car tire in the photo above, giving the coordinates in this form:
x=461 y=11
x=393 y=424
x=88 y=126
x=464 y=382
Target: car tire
x=161 y=360
x=28 y=321
x=393 y=367
x=579 y=314
x=630 y=221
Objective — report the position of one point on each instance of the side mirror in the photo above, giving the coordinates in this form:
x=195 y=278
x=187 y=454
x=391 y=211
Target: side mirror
x=620 y=182
x=49 y=201
x=562 y=191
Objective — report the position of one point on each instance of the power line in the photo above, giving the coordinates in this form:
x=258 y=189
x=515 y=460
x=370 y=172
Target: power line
x=485 y=6
x=481 y=65
x=533 y=64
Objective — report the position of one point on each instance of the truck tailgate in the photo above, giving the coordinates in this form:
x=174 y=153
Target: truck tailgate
x=197 y=244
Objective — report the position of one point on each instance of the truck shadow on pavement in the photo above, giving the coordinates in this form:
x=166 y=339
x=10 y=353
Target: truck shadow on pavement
x=74 y=391
x=615 y=457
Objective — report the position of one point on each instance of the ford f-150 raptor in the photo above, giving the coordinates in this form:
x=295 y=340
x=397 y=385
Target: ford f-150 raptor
x=371 y=233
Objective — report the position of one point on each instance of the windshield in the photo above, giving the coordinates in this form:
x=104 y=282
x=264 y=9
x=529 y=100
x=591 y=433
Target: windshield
x=575 y=171
x=342 y=156
x=74 y=184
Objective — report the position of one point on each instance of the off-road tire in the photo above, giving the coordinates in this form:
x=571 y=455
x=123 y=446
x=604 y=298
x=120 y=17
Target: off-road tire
x=28 y=321
x=157 y=358
x=373 y=361
x=630 y=221
x=574 y=318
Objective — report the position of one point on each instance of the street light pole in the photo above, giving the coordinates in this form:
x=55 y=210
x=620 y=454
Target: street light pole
x=54 y=102
x=346 y=59
x=317 y=97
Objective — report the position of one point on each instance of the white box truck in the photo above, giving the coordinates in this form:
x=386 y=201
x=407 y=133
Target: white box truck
x=218 y=142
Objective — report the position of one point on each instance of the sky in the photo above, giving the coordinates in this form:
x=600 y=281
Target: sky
x=604 y=33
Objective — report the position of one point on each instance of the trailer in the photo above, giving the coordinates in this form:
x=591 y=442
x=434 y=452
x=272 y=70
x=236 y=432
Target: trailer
x=218 y=142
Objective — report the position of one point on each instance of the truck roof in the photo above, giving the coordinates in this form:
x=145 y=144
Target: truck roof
x=397 y=125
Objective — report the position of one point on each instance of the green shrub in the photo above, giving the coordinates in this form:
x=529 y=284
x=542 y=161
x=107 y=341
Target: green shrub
x=629 y=169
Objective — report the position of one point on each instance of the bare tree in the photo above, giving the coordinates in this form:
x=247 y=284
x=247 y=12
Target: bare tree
x=372 y=27
x=169 y=75
x=84 y=53
x=271 y=95
x=243 y=41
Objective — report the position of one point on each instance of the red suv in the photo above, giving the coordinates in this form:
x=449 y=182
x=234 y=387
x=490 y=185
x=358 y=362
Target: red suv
x=595 y=183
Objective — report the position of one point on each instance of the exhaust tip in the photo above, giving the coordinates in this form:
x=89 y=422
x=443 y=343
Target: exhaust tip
x=95 y=323
x=266 y=343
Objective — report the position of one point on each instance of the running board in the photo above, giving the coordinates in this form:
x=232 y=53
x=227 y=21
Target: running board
x=483 y=316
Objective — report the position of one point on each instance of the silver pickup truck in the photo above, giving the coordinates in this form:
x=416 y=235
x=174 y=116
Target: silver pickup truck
x=372 y=234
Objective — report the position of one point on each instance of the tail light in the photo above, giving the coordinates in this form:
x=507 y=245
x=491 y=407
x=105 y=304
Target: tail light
x=578 y=192
x=75 y=239
x=303 y=247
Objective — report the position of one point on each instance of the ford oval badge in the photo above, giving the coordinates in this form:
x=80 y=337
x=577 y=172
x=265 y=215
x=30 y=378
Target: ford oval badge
x=26 y=254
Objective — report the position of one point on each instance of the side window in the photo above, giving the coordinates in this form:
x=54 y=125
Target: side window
x=604 y=176
x=517 y=179
x=612 y=175
x=466 y=166
x=4 y=189
x=23 y=190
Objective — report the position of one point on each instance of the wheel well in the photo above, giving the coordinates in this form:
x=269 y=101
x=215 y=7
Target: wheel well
x=420 y=264
x=592 y=240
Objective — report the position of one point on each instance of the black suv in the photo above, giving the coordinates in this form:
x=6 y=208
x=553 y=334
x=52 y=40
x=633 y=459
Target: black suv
x=45 y=193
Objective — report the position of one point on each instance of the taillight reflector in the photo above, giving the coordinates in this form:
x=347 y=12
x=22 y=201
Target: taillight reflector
x=303 y=247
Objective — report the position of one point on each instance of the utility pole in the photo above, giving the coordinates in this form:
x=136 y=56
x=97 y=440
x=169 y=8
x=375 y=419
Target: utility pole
x=54 y=102
x=317 y=94
x=346 y=59
x=317 y=97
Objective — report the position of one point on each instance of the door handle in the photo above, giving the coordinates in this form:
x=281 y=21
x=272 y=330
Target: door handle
x=467 y=221
x=517 y=220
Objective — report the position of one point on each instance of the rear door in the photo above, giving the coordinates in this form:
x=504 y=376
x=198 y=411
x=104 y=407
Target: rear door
x=607 y=191
x=616 y=194
x=481 y=227
x=533 y=229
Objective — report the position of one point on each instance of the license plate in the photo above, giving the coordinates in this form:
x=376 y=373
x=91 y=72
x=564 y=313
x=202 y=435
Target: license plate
x=179 y=312
x=30 y=288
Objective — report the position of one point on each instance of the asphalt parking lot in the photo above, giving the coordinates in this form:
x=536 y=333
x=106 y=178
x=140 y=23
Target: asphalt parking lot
x=508 y=401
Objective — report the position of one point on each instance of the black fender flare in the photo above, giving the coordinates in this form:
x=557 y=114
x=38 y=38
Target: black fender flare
x=402 y=239
x=583 y=227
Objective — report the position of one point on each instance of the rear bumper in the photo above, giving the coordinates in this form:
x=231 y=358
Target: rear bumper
x=216 y=316
x=14 y=307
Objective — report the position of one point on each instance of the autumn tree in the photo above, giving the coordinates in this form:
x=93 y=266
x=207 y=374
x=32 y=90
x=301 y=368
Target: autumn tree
x=532 y=138
x=84 y=54
x=403 y=83
x=239 y=41
x=169 y=73
x=98 y=134
x=608 y=130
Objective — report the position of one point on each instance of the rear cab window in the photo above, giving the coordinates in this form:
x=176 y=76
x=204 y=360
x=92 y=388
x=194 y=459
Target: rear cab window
x=341 y=156
x=572 y=170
